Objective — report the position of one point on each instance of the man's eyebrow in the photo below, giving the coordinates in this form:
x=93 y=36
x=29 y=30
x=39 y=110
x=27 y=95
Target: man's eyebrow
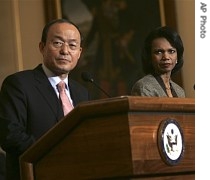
x=69 y=40
x=57 y=37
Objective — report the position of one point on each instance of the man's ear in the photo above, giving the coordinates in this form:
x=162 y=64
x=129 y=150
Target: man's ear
x=41 y=47
x=80 y=52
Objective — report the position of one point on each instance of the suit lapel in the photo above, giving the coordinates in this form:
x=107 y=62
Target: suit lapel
x=46 y=90
x=73 y=91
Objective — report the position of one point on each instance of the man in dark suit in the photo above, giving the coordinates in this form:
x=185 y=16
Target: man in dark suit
x=29 y=100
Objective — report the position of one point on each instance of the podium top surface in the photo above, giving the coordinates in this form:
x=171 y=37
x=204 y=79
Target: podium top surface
x=137 y=103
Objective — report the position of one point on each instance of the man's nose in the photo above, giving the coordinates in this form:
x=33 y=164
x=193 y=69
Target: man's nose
x=65 y=48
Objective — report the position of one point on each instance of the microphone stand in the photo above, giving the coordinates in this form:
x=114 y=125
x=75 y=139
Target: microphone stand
x=100 y=88
x=88 y=77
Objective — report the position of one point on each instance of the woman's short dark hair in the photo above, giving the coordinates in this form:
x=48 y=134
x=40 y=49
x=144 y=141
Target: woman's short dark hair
x=48 y=25
x=173 y=38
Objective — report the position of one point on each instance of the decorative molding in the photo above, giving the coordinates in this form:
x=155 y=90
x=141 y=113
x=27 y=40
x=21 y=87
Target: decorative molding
x=17 y=34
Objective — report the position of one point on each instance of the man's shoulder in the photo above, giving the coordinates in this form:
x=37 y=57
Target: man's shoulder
x=22 y=75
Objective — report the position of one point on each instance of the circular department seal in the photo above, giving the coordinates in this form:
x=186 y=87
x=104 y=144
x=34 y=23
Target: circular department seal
x=170 y=141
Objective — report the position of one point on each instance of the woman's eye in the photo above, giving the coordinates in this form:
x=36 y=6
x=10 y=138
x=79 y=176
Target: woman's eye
x=158 y=52
x=172 y=51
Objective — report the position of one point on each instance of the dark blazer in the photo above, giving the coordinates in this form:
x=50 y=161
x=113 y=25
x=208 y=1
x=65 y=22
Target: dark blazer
x=29 y=107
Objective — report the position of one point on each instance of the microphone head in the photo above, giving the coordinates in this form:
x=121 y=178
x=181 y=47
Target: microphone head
x=86 y=76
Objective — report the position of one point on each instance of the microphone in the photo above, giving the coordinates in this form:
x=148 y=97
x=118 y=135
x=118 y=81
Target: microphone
x=86 y=76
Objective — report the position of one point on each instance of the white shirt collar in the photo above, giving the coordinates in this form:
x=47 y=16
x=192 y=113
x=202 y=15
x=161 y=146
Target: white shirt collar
x=54 y=80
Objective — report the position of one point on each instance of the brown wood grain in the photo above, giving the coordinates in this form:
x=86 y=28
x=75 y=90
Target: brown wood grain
x=112 y=138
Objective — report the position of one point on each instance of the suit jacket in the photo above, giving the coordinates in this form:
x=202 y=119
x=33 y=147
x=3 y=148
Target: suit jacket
x=151 y=85
x=29 y=107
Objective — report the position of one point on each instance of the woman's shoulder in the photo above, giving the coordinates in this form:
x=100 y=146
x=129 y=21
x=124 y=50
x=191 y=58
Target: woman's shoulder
x=147 y=86
x=175 y=85
x=147 y=79
x=178 y=89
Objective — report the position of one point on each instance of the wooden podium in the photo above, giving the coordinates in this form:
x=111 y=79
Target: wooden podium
x=115 y=138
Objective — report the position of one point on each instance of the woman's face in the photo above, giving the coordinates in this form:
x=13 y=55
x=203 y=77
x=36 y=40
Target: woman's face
x=164 y=56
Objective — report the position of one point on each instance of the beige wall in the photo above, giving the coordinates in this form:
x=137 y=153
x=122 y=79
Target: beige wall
x=7 y=47
x=31 y=23
x=23 y=20
x=21 y=25
x=186 y=27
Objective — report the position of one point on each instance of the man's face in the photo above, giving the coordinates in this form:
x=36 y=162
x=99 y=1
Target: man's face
x=62 y=49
